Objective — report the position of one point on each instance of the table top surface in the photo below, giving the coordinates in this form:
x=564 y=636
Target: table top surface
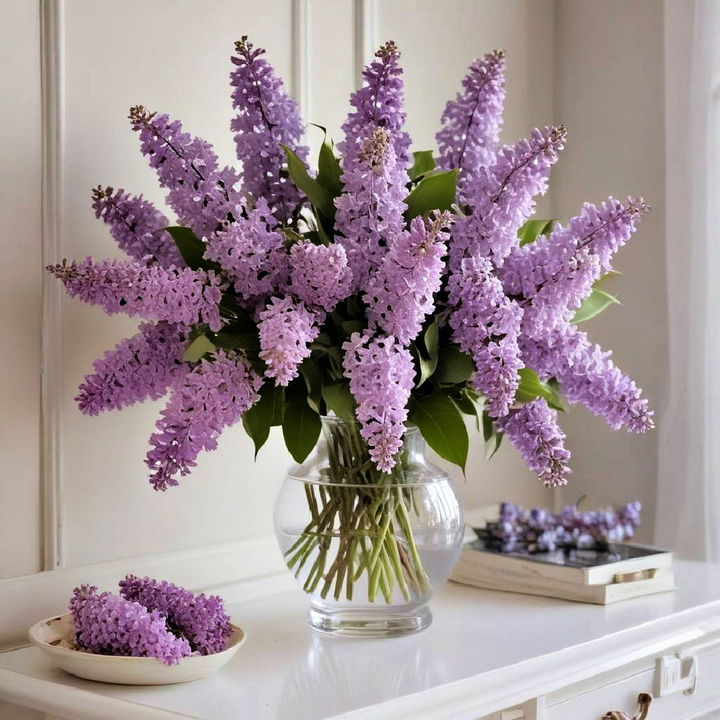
x=285 y=670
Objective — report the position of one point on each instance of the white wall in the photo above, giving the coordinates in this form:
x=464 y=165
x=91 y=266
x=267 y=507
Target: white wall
x=598 y=70
x=610 y=94
x=20 y=289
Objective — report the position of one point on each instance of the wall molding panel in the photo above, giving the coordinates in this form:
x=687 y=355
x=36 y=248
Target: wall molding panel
x=301 y=54
x=52 y=34
x=365 y=32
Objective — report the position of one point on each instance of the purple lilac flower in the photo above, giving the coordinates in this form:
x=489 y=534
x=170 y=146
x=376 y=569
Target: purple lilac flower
x=379 y=104
x=486 y=325
x=176 y=295
x=109 y=625
x=539 y=530
x=187 y=166
x=141 y=367
x=471 y=123
x=200 y=619
x=554 y=274
x=588 y=375
x=534 y=432
x=401 y=293
x=286 y=329
x=266 y=117
x=136 y=226
x=212 y=396
x=252 y=252
x=370 y=210
x=502 y=197
x=319 y=275
x=381 y=374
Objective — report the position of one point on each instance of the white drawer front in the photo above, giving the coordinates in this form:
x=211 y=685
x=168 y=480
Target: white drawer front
x=622 y=694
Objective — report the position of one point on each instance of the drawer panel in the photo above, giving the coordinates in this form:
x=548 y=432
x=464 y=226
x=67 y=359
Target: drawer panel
x=621 y=694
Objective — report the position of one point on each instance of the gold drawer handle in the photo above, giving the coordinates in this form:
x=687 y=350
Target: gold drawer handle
x=644 y=700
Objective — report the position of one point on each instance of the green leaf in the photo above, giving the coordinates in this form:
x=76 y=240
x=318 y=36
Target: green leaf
x=593 y=305
x=340 y=400
x=423 y=163
x=442 y=426
x=454 y=366
x=465 y=404
x=198 y=348
x=559 y=402
x=310 y=186
x=434 y=192
x=425 y=352
x=432 y=339
x=531 y=387
x=301 y=429
x=267 y=412
x=313 y=381
x=190 y=246
x=493 y=438
x=533 y=229
x=250 y=342
x=329 y=172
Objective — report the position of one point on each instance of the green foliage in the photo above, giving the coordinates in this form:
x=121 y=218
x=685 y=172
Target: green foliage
x=531 y=387
x=442 y=426
x=454 y=366
x=329 y=171
x=266 y=413
x=425 y=352
x=594 y=304
x=491 y=436
x=191 y=247
x=301 y=428
x=433 y=192
x=533 y=229
x=198 y=348
x=314 y=191
x=423 y=163
x=340 y=400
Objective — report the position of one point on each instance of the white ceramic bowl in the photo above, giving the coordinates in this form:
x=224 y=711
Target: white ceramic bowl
x=52 y=636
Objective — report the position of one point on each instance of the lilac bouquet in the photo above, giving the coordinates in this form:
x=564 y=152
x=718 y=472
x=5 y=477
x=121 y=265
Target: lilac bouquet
x=149 y=619
x=539 y=530
x=386 y=287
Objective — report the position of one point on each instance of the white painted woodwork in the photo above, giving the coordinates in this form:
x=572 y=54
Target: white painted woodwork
x=20 y=289
x=485 y=653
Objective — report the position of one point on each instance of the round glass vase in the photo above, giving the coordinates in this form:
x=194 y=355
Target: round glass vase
x=368 y=547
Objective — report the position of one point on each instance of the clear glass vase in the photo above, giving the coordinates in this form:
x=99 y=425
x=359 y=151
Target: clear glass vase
x=368 y=547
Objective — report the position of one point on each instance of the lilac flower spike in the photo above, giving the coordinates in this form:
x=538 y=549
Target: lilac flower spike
x=109 y=625
x=251 y=251
x=137 y=226
x=200 y=619
x=534 y=432
x=486 y=325
x=141 y=367
x=471 y=123
x=213 y=396
x=379 y=104
x=381 y=374
x=181 y=296
x=319 y=275
x=370 y=211
x=187 y=166
x=503 y=197
x=554 y=274
x=401 y=293
x=286 y=329
x=587 y=375
x=266 y=117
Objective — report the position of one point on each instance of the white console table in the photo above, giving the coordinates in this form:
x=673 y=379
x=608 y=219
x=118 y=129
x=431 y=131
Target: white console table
x=487 y=655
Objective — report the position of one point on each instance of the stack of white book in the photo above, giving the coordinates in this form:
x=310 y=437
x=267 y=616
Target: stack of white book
x=618 y=573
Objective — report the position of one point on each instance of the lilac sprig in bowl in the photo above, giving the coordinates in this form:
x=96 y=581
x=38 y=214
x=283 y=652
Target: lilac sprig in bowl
x=152 y=633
